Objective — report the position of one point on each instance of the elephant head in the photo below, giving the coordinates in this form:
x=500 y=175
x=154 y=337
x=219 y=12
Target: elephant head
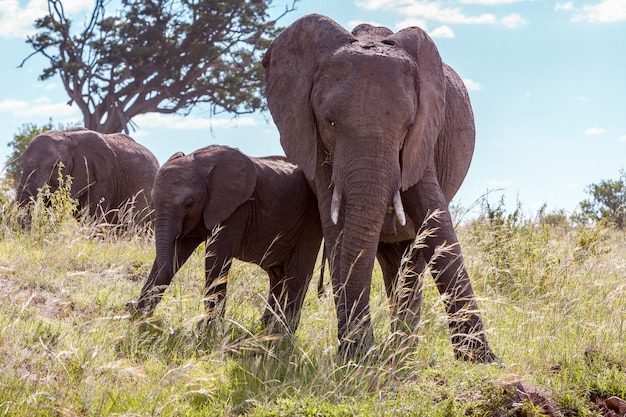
x=361 y=113
x=200 y=189
x=327 y=85
x=80 y=153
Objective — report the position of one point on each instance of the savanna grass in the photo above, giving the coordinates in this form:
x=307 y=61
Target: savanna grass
x=552 y=299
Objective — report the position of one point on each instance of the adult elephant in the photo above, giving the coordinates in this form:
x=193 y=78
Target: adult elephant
x=384 y=132
x=109 y=171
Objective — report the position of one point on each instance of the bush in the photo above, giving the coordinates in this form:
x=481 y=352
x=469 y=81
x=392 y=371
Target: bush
x=518 y=250
x=607 y=204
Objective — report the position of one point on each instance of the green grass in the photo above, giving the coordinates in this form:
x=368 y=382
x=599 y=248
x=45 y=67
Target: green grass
x=553 y=300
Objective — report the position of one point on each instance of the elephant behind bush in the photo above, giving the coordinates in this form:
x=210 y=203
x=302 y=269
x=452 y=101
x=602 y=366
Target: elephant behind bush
x=110 y=172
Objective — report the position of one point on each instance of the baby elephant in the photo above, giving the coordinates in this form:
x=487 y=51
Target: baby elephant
x=266 y=214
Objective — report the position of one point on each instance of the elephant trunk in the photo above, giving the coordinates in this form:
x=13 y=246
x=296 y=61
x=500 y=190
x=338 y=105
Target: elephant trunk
x=166 y=231
x=23 y=195
x=27 y=188
x=26 y=192
x=370 y=187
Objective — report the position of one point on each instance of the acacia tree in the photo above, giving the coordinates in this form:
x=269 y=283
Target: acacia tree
x=160 y=56
x=607 y=203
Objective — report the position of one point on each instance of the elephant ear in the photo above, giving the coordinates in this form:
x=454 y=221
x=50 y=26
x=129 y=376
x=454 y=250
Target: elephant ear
x=92 y=160
x=231 y=180
x=290 y=65
x=419 y=146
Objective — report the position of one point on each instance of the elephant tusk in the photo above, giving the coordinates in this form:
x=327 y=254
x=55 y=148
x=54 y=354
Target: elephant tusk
x=399 y=208
x=335 y=205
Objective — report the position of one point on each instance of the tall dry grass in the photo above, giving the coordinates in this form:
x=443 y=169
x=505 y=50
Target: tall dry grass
x=552 y=298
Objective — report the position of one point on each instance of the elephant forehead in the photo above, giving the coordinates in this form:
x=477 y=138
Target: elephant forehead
x=352 y=76
x=172 y=193
x=48 y=143
x=386 y=61
x=174 y=176
x=44 y=157
x=374 y=48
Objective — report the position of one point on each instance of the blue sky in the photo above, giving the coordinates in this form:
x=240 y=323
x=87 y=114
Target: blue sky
x=547 y=81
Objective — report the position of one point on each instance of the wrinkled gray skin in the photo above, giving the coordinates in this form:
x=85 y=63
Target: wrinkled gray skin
x=107 y=170
x=384 y=132
x=268 y=216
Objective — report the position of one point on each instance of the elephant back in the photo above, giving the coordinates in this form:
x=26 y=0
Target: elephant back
x=141 y=163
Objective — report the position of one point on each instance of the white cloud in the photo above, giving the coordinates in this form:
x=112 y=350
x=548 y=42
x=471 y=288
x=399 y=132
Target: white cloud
x=564 y=6
x=622 y=138
x=513 y=20
x=442 y=32
x=594 y=131
x=489 y=2
x=420 y=23
x=377 y=4
x=157 y=120
x=17 y=21
x=606 y=11
x=493 y=183
x=472 y=85
x=8 y=105
x=434 y=11
x=39 y=107
x=419 y=12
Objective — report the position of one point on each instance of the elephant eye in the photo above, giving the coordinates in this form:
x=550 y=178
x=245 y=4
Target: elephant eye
x=330 y=121
x=188 y=202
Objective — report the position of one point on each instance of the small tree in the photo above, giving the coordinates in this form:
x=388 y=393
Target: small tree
x=607 y=203
x=161 y=56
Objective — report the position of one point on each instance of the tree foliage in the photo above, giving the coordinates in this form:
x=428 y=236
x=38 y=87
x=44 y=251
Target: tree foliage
x=160 y=56
x=607 y=203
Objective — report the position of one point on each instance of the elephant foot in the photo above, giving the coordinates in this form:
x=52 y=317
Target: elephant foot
x=136 y=311
x=208 y=331
x=355 y=348
x=474 y=348
x=286 y=324
x=132 y=307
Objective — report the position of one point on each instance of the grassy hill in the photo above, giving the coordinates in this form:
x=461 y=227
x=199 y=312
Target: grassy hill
x=553 y=298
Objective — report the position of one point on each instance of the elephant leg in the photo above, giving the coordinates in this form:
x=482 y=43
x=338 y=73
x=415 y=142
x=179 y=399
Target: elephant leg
x=402 y=269
x=216 y=273
x=277 y=294
x=448 y=270
x=158 y=281
x=298 y=274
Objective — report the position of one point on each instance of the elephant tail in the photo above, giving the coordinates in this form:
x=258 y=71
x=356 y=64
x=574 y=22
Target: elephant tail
x=320 y=284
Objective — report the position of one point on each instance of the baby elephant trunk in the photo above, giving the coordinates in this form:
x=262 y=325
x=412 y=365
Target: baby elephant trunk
x=163 y=268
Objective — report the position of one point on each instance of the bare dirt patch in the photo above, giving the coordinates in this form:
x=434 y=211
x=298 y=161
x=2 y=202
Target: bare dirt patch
x=42 y=302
